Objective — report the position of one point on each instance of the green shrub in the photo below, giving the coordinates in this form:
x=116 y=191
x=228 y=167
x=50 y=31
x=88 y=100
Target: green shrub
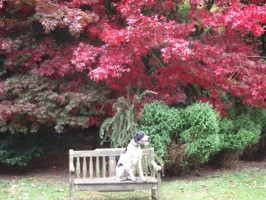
x=200 y=133
x=258 y=116
x=255 y=115
x=161 y=123
x=186 y=137
x=18 y=149
x=238 y=133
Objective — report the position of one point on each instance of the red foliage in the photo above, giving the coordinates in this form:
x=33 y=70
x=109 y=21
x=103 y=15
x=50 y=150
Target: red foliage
x=144 y=44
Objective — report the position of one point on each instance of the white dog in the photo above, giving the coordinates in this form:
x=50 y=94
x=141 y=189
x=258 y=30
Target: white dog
x=130 y=157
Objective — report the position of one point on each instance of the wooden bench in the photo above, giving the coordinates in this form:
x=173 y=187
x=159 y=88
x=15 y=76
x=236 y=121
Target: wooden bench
x=95 y=169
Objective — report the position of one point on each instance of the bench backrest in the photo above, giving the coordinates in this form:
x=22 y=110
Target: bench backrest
x=101 y=163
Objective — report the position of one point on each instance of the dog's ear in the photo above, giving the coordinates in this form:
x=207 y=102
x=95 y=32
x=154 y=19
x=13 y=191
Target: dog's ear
x=135 y=137
x=140 y=135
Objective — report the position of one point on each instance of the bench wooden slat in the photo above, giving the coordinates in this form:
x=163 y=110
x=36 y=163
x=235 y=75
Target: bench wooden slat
x=105 y=152
x=97 y=167
x=112 y=165
x=78 y=167
x=146 y=166
x=152 y=159
x=104 y=167
x=91 y=167
x=84 y=169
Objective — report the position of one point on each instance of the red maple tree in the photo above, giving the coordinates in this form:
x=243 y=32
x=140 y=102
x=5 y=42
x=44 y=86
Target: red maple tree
x=70 y=59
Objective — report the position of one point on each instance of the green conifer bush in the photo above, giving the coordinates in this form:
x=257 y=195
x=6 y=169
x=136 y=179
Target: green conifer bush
x=200 y=132
x=243 y=128
x=161 y=123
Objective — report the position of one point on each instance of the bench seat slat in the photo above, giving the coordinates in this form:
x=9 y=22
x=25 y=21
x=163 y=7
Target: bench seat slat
x=105 y=181
x=117 y=187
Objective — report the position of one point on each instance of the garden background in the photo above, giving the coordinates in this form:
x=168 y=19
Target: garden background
x=85 y=74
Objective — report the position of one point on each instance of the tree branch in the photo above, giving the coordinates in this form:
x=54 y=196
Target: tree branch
x=158 y=60
x=209 y=4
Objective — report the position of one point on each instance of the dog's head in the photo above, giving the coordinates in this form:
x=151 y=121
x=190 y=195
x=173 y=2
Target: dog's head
x=141 y=138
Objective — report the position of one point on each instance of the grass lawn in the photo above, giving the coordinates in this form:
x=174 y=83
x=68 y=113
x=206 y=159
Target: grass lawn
x=227 y=185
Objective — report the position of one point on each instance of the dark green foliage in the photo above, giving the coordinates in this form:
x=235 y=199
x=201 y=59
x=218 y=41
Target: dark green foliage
x=200 y=134
x=258 y=116
x=161 y=123
x=241 y=129
x=18 y=149
x=248 y=131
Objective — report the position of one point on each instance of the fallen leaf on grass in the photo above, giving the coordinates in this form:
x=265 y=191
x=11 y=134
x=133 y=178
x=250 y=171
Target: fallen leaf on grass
x=254 y=183
x=204 y=186
x=233 y=183
x=13 y=186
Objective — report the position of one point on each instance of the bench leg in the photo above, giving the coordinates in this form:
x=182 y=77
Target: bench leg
x=159 y=194
x=71 y=188
x=156 y=194
x=153 y=193
x=71 y=192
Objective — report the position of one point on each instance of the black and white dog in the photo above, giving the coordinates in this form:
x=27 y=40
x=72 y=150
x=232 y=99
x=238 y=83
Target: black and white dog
x=130 y=157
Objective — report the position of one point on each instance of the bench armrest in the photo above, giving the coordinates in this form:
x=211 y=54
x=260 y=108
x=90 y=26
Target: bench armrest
x=155 y=166
x=71 y=168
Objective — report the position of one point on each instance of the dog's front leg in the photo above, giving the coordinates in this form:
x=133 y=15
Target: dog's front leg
x=130 y=171
x=141 y=171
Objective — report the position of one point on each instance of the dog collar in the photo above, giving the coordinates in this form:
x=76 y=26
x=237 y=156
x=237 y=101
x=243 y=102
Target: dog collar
x=135 y=144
